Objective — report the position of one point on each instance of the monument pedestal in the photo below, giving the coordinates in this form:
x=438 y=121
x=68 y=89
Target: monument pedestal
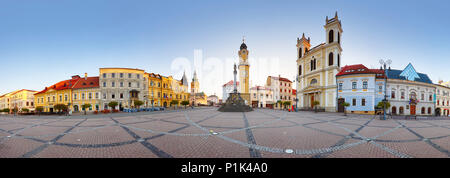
x=235 y=103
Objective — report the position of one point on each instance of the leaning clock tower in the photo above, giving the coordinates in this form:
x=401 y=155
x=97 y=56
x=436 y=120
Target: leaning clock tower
x=243 y=69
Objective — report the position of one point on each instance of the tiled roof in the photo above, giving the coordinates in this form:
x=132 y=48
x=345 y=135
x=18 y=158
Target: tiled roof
x=230 y=83
x=281 y=79
x=360 y=69
x=89 y=82
x=62 y=85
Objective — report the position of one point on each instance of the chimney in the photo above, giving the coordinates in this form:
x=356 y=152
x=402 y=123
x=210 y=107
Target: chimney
x=85 y=76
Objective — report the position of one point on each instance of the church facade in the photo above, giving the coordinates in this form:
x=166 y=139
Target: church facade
x=317 y=68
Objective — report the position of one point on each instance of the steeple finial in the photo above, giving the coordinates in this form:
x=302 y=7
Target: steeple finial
x=326 y=20
x=243 y=39
x=335 y=16
x=303 y=36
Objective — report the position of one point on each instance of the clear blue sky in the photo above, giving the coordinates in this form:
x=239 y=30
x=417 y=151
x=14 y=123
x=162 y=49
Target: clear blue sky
x=46 y=41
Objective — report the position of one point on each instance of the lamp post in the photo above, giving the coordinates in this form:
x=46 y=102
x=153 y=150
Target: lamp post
x=383 y=67
x=296 y=97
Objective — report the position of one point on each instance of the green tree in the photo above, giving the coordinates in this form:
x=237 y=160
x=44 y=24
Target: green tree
x=345 y=104
x=138 y=103
x=174 y=103
x=5 y=110
x=60 y=107
x=25 y=110
x=185 y=102
x=286 y=103
x=85 y=107
x=39 y=109
x=315 y=104
x=113 y=104
x=381 y=105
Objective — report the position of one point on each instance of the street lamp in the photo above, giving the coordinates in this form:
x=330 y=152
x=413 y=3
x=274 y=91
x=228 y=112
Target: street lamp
x=296 y=97
x=383 y=67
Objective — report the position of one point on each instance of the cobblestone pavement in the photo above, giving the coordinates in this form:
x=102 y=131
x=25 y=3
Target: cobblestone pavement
x=205 y=133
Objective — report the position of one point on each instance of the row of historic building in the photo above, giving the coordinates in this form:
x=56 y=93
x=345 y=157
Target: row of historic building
x=321 y=78
x=122 y=85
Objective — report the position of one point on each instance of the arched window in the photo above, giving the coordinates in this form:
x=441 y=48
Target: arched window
x=313 y=81
x=300 y=70
x=429 y=110
x=300 y=53
x=330 y=59
x=423 y=110
x=401 y=110
x=394 y=110
x=330 y=36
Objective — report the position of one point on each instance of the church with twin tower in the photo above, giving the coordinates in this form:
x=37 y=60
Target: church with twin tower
x=318 y=66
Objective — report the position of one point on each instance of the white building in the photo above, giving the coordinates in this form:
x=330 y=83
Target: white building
x=261 y=97
x=213 y=100
x=443 y=99
x=410 y=93
x=227 y=89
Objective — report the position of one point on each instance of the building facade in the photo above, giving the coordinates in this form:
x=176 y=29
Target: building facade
x=261 y=97
x=59 y=93
x=281 y=90
x=123 y=85
x=361 y=87
x=318 y=66
x=410 y=92
x=442 y=99
x=18 y=99
x=85 y=91
x=213 y=100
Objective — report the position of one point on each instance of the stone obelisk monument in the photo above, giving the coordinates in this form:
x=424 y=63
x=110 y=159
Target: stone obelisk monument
x=235 y=103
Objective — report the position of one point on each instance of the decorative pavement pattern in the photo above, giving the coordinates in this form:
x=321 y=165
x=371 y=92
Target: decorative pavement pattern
x=206 y=133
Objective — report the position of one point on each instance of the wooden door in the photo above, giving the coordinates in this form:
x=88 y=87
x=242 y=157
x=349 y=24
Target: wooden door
x=412 y=109
x=312 y=101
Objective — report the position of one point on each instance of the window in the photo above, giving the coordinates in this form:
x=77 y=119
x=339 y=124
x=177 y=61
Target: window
x=82 y=96
x=313 y=81
x=121 y=84
x=104 y=84
x=138 y=76
x=401 y=110
x=423 y=110
x=340 y=86
x=113 y=96
x=129 y=84
x=121 y=96
x=300 y=53
x=393 y=94
x=113 y=75
x=104 y=95
x=96 y=96
x=113 y=84
x=121 y=75
x=363 y=102
x=138 y=84
x=402 y=96
x=90 y=95
x=394 y=110
x=330 y=36
x=75 y=96
x=330 y=59
x=300 y=70
x=353 y=85
x=431 y=97
x=60 y=98
x=380 y=88
x=429 y=110
x=422 y=96
x=354 y=102
x=365 y=85
x=339 y=38
x=65 y=97
x=104 y=75
x=129 y=75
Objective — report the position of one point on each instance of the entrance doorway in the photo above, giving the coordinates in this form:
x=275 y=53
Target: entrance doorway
x=412 y=109
x=341 y=104
x=312 y=101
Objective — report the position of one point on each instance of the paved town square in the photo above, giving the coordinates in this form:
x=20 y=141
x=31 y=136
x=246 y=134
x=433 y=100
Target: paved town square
x=206 y=133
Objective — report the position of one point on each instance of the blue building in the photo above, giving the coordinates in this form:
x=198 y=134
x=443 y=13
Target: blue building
x=361 y=87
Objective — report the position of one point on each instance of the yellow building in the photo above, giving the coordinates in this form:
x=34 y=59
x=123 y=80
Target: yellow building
x=181 y=89
x=18 y=99
x=86 y=91
x=59 y=93
x=318 y=66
